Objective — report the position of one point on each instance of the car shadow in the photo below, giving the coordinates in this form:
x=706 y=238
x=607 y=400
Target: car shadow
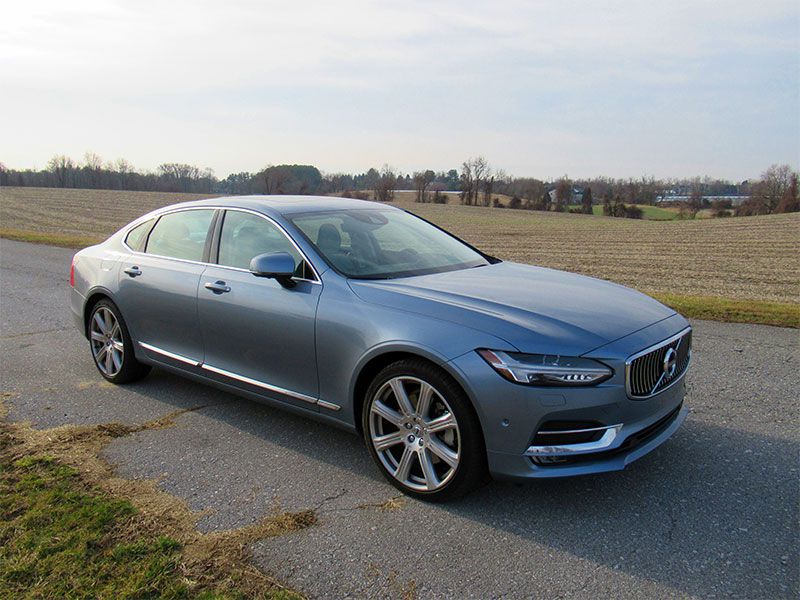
x=713 y=511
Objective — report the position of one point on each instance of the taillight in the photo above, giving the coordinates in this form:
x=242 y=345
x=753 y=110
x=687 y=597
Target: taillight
x=72 y=274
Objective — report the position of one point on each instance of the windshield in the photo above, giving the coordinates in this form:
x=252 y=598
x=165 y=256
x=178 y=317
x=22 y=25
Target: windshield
x=381 y=244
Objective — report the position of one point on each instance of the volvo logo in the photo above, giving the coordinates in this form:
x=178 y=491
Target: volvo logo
x=670 y=363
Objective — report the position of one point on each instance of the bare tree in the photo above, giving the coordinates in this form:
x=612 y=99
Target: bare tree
x=769 y=192
x=422 y=180
x=790 y=201
x=62 y=167
x=586 y=201
x=695 y=202
x=384 y=190
x=275 y=179
x=480 y=169
x=467 y=182
x=488 y=185
x=563 y=193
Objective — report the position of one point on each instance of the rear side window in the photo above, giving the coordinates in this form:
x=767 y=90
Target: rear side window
x=137 y=237
x=181 y=234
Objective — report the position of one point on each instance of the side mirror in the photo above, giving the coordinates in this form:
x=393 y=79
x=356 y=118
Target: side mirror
x=274 y=265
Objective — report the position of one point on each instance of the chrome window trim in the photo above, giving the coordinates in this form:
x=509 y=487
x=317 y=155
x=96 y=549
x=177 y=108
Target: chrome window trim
x=248 y=380
x=648 y=350
x=317 y=281
x=611 y=433
x=179 y=357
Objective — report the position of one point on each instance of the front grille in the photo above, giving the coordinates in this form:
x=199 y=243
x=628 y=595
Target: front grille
x=650 y=371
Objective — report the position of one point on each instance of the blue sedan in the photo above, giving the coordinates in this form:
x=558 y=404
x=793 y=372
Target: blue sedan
x=452 y=364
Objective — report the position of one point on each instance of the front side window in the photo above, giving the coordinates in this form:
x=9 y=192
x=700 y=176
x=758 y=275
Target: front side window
x=181 y=234
x=382 y=244
x=245 y=236
x=137 y=237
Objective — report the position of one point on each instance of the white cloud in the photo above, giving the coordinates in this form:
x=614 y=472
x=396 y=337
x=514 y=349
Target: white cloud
x=349 y=84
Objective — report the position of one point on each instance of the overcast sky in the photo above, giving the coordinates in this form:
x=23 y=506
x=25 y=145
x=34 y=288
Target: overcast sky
x=667 y=88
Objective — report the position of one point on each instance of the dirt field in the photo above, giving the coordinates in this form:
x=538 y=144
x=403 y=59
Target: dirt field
x=754 y=258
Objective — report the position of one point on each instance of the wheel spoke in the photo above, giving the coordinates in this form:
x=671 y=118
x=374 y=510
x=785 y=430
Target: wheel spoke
x=440 y=449
x=384 y=442
x=109 y=361
x=114 y=335
x=108 y=318
x=424 y=400
x=391 y=415
x=402 y=398
x=118 y=346
x=117 y=358
x=101 y=324
x=431 y=479
x=404 y=466
x=100 y=358
x=98 y=337
x=446 y=421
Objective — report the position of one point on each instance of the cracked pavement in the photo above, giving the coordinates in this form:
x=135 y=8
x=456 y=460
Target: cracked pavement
x=712 y=513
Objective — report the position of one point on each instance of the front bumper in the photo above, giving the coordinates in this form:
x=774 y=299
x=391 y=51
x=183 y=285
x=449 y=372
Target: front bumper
x=504 y=465
x=511 y=415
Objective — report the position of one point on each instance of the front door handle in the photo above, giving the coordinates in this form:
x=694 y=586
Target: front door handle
x=218 y=287
x=133 y=271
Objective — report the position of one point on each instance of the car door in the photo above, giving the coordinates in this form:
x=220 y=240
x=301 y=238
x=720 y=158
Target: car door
x=258 y=334
x=158 y=284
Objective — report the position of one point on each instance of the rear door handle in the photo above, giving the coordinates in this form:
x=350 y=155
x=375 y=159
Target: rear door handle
x=218 y=287
x=133 y=271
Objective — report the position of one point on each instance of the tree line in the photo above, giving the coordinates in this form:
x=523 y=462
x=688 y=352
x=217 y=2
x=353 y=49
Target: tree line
x=476 y=183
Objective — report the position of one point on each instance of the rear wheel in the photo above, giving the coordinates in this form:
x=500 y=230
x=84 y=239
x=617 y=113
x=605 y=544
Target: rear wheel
x=111 y=345
x=423 y=433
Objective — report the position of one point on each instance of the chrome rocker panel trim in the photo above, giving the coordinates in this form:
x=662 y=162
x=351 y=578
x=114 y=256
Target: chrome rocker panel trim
x=242 y=378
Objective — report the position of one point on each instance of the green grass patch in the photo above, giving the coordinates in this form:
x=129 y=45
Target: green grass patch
x=651 y=213
x=781 y=314
x=59 y=539
x=51 y=239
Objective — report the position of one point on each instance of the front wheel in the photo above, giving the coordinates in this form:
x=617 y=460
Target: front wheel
x=112 y=346
x=423 y=433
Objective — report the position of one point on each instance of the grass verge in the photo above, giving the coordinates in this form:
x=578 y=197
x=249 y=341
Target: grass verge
x=780 y=314
x=51 y=239
x=69 y=528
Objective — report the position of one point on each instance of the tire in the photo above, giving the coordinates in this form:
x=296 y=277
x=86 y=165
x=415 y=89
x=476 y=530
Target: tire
x=434 y=452
x=111 y=345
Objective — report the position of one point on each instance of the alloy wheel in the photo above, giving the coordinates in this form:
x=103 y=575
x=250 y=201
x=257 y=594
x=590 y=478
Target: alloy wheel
x=415 y=433
x=108 y=348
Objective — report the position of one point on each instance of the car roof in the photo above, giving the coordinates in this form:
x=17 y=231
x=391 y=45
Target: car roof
x=284 y=204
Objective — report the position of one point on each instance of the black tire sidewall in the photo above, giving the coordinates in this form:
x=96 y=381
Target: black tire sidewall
x=472 y=469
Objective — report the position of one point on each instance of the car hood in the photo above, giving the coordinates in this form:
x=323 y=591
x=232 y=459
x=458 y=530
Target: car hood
x=535 y=309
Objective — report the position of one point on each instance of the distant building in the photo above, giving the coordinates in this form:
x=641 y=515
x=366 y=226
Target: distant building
x=670 y=198
x=577 y=195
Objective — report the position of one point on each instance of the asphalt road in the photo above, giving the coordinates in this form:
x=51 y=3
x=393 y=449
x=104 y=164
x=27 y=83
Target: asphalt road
x=712 y=513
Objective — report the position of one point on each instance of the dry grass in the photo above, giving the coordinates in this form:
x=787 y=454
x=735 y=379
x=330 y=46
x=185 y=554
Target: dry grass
x=750 y=259
x=218 y=561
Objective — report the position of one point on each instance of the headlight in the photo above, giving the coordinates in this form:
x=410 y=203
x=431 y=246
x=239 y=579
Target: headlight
x=546 y=369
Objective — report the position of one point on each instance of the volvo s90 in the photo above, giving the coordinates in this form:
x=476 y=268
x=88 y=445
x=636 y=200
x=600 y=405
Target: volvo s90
x=453 y=365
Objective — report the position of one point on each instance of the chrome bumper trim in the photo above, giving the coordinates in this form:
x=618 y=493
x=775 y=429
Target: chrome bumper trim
x=604 y=442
